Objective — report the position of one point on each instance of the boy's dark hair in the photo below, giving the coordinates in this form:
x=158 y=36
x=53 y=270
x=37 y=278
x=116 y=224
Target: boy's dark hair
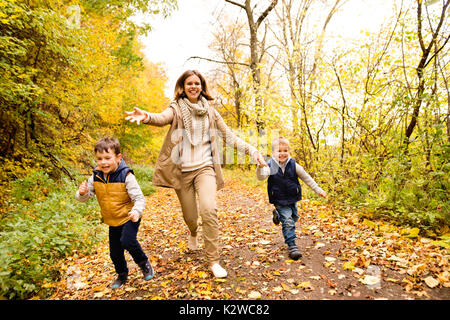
x=108 y=143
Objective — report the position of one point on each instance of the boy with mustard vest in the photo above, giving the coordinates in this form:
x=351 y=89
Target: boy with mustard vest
x=284 y=190
x=121 y=203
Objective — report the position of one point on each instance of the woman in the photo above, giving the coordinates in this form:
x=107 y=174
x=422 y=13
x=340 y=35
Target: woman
x=189 y=159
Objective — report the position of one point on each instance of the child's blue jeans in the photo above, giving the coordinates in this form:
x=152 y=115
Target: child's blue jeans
x=123 y=238
x=288 y=216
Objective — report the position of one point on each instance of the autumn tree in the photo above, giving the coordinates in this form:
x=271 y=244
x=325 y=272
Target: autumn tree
x=231 y=72
x=432 y=39
x=257 y=49
x=300 y=44
x=377 y=92
x=63 y=80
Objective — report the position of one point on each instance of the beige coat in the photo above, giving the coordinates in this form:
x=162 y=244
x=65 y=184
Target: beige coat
x=167 y=171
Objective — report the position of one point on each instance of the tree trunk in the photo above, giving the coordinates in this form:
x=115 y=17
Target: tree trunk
x=255 y=55
x=424 y=61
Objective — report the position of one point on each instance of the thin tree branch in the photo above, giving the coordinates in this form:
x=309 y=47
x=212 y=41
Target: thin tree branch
x=217 y=61
x=236 y=4
x=437 y=51
x=265 y=13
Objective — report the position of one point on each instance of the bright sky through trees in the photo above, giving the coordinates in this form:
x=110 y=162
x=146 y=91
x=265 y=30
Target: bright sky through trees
x=187 y=32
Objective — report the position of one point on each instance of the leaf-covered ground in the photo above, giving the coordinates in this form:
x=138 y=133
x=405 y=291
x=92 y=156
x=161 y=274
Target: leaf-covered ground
x=345 y=256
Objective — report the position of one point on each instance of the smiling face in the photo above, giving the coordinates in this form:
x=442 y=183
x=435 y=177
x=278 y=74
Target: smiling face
x=192 y=88
x=281 y=152
x=107 y=161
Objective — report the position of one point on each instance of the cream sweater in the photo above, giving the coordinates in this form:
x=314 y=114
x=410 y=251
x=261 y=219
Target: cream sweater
x=198 y=156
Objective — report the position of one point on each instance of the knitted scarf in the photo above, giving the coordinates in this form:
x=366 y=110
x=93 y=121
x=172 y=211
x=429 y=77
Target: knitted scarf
x=200 y=110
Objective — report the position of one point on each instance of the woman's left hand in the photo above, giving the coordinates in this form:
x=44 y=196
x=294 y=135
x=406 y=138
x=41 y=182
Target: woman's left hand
x=259 y=159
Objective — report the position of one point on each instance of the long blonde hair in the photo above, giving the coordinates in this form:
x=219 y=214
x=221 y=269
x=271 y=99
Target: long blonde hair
x=179 y=86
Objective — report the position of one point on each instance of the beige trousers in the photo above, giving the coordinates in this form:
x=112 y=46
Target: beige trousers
x=201 y=182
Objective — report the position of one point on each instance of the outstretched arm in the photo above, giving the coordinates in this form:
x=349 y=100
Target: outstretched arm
x=232 y=140
x=137 y=115
x=156 y=119
x=306 y=178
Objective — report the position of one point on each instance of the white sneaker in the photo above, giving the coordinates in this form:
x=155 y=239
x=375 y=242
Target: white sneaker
x=218 y=271
x=192 y=243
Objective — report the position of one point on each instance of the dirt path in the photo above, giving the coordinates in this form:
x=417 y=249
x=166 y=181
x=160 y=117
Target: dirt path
x=344 y=257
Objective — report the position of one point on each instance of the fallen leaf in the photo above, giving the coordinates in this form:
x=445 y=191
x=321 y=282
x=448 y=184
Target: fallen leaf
x=319 y=245
x=254 y=295
x=413 y=233
x=285 y=287
x=370 y=224
x=99 y=288
x=220 y=280
x=332 y=292
x=431 y=282
x=277 y=289
x=306 y=285
x=416 y=269
x=370 y=280
x=349 y=265
x=331 y=284
x=359 y=242
x=288 y=261
x=205 y=292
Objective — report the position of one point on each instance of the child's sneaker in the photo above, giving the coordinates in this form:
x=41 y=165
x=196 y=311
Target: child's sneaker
x=147 y=270
x=275 y=218
x=121 y=279
x=294 y=253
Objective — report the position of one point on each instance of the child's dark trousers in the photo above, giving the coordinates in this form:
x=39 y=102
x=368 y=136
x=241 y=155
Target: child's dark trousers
x=123 y=238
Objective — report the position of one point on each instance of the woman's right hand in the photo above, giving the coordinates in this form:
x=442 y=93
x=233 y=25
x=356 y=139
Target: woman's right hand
x=137 y=115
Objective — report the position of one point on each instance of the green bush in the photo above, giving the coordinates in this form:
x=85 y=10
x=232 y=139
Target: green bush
x=144 y=176
x=35 y=185
x=405 y=189
x=44 y=224
x=416 y=197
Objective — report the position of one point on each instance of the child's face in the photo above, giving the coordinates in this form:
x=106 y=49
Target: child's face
x=107 y=162
x=281 y=153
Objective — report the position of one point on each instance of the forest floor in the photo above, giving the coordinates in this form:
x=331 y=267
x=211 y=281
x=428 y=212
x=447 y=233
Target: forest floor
x=345 y=256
